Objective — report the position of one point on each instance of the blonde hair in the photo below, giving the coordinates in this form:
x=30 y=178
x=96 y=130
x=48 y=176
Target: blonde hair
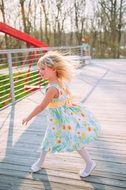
x=60 y=63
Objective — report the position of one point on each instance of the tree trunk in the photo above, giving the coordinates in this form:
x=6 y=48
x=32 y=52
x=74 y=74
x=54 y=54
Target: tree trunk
x=119 y=27
x=2 y=8
x=23 y=15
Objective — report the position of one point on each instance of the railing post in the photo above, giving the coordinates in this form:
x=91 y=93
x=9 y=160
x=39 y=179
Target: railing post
x=81 y=48
x=11 y=76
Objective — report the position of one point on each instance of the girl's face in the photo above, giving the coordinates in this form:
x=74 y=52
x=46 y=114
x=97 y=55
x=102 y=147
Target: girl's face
x=46 y=72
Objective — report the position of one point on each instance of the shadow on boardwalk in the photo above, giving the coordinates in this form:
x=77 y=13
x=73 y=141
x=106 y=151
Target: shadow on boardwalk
x=19 y=159
x=61 y=171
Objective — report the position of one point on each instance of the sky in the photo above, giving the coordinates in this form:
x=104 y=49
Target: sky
x=15 y=6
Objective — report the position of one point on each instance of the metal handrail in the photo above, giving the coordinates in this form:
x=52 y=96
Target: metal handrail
x=24 y=65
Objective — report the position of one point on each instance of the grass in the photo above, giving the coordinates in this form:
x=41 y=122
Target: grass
x=20 y=80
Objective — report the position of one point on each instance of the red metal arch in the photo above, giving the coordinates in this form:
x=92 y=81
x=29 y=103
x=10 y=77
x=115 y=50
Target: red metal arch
x=21 y=35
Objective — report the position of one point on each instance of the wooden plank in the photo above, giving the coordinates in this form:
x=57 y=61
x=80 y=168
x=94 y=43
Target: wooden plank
x=35 y=184
x=68 y=178
x=104 y=90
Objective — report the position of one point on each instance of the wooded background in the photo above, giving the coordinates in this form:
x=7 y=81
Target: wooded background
x=66 y=22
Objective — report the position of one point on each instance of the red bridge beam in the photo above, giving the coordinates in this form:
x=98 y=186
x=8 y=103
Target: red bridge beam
x=21 y=35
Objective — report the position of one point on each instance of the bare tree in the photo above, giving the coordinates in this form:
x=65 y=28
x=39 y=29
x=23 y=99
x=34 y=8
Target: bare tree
x=26 y=15
x=111 y=14
x=57 y=18
x=120 y=24
x=41 y=20
x=23 y=14
x=63 y=22
x=46 y=21
x=79 y=8
x=2 y=8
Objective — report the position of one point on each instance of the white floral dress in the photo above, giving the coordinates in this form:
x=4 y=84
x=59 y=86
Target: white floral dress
x=70 y=127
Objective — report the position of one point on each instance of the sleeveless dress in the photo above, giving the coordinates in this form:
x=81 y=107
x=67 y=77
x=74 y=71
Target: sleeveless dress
x=70 y=126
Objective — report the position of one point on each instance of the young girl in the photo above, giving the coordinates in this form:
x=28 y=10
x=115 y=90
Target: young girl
x=70 y=127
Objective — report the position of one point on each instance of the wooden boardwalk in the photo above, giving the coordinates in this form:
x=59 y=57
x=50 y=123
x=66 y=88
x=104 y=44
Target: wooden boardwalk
x=102 y=88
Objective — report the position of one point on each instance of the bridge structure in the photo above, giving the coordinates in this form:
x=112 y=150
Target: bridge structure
x=101 y=87
x=21 y=36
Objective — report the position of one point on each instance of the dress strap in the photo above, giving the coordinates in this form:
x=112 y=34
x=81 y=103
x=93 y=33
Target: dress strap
x=55 y=85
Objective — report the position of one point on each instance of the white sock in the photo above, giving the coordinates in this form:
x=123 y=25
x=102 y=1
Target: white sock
x=41 y=159
x=85 y=155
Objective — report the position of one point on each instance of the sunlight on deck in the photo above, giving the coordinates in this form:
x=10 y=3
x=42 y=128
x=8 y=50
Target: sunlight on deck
x=101 y=87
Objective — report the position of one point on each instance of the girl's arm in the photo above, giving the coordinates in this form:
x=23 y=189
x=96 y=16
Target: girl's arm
x=51 y=93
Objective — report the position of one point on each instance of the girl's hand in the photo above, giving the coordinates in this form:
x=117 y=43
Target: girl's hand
x=25 y=121
x=51 y=93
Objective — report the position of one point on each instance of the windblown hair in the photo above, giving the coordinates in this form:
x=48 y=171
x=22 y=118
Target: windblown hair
x=60 y=63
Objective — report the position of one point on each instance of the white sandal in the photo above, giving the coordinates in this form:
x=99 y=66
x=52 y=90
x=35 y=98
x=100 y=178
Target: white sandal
x=35 y=167
x=83 y=173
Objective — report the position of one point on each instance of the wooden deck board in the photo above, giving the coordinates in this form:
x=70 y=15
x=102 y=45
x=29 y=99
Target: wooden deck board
x=102 y=88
